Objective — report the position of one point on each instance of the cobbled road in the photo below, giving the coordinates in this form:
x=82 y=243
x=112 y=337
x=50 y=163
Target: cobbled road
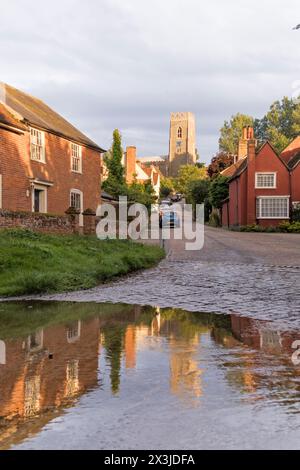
x=254 y=274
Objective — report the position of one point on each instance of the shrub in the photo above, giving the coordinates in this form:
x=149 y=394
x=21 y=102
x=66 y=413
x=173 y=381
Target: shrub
x=258 y=228
x=296 y=213
x=293 y=227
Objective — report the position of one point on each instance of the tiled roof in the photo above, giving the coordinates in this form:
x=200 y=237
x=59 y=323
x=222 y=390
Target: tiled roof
x=291 y=150
x=37 y=113
x=294 y=160
x=234 y=170
x=7 y=118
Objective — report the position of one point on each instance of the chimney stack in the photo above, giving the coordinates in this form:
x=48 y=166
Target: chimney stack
x=251 y=197
x=248 y=134
x=130 y=164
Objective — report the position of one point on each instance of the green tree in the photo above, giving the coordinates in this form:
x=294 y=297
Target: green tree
x=166 y=187
x=115 y=183
x=231 y=132
x=218 y=191
x=280 y=125
x=218 y=163
x=141 y=193
x=113 y=336
x=198 y=191
x=187 y=174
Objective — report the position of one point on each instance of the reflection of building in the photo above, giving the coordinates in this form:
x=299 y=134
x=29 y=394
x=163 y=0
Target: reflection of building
x=130 y=347
x=185 y=374
x=276 y=349
x=44 y=372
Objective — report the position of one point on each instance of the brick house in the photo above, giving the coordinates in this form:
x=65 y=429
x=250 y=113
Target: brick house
x=263 y=186
x=46 y=164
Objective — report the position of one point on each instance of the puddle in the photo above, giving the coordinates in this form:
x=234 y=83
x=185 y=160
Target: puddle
x=103 y=376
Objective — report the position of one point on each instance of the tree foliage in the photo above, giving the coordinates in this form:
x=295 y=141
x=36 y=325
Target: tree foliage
x=218 y=163
x=231 y=132
x=198 y=191
x=187 y=174
x=218 y=191
x=166 y=187
x=280 y=125
x=115 y=183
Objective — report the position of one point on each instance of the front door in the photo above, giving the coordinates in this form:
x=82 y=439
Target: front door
x=39 y=199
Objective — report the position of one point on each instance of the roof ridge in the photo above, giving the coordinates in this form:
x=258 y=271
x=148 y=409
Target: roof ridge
x=36 y=112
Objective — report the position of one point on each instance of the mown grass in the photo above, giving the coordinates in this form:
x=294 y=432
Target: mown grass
x=34 y=263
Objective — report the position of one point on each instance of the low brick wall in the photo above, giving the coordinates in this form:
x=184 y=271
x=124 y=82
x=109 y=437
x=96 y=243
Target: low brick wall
x=61 y=224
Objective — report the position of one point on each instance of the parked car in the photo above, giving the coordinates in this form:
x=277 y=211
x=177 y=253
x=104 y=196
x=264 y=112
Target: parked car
x=176 y=197
x=169 y=219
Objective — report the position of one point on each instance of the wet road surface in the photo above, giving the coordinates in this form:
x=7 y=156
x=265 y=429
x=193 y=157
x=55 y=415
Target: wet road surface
x=257 y=274
x=84 y=376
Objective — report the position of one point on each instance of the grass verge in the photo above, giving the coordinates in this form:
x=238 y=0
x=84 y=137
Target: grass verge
x=35 y=263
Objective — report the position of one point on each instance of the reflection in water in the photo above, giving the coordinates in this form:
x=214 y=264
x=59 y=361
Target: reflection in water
x=46 y=368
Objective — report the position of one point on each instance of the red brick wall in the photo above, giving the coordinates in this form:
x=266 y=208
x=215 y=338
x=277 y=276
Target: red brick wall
x=266 y=161
x=295 y=183
x=242 y=192
x=22 y=365
x=16 y=168
x=238 y=201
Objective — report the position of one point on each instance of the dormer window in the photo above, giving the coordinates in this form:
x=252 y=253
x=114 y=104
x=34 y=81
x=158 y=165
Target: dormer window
x=179 y=133
x=76 y=158
x=37 y=145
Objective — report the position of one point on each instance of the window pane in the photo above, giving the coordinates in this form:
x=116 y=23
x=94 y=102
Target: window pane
x=76 y=157
x=265 y=180
x=272 y=207
x=37 y=145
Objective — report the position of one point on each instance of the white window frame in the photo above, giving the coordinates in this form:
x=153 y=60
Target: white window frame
x=77 y=191
x=42 y=158
x=273 y=173
x=75 y=157
x=260 y=198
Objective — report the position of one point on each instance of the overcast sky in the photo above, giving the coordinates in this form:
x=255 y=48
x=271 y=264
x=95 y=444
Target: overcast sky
x=127 y=64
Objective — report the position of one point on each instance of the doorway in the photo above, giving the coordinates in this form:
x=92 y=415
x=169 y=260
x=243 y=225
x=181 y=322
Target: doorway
x=39 y=199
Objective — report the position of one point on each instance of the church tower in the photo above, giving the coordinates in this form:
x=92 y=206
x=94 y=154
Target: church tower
x=182 y=143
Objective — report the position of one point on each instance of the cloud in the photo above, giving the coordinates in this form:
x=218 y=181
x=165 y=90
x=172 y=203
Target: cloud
x=109 y=63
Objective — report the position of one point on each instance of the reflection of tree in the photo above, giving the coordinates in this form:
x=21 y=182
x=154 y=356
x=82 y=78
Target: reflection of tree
x=113 y=338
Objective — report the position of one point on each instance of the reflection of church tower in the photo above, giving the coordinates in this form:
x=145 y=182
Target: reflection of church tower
x=130 y=347
x=185 y=374
x=182 y=144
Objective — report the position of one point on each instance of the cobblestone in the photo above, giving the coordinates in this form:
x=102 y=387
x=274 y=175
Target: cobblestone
x=256 y=275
